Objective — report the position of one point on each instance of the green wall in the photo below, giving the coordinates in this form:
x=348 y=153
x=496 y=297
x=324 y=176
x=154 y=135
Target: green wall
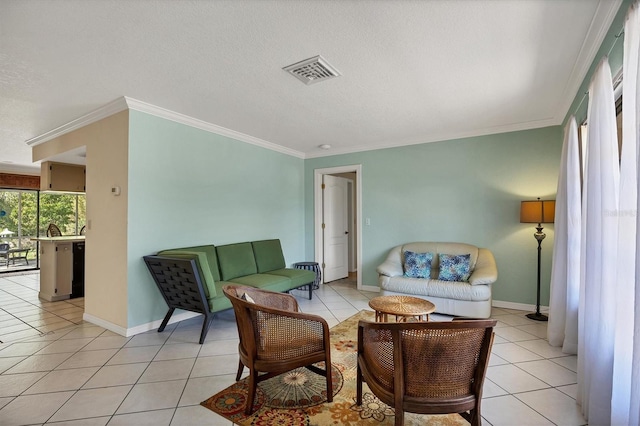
x=466 y=190
x=188 y=187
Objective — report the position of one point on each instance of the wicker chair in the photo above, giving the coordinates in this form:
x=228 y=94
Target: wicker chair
x=53 y=231
x=425 y=367
x=275 y=337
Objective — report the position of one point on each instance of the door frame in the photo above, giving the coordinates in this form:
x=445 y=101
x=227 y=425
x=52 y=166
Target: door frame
x=317 y=217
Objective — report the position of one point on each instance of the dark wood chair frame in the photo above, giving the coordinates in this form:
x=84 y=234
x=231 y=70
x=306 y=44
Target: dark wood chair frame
x=251 y=316
x=467 y=405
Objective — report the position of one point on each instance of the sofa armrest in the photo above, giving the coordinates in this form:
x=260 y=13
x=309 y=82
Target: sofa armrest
x=486 y=271
x=392 y=266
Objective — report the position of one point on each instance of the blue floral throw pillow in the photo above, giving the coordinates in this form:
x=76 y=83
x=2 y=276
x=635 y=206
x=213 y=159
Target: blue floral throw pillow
x=417 y=265
x=454 y=267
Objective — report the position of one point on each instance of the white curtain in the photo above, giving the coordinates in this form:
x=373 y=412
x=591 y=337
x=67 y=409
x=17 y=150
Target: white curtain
x=624 y=401
x=562 y=329
x=598 y=263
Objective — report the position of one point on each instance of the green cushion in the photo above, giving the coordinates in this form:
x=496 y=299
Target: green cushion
x=220 y=302
x=298 y=277
x=212 y=257
x=203 y=267
x=236 y=260
x=268 y=255
x=264 y=281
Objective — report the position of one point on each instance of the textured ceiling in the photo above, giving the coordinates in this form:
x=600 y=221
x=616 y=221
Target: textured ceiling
x=412 y=71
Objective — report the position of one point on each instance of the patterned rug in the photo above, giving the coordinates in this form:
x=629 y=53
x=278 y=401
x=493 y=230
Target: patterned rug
x=299 y=397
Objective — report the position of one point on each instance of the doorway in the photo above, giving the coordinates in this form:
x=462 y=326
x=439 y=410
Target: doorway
x=338 y=249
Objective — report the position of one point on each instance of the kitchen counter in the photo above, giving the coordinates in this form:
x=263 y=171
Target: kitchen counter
x=57 y=266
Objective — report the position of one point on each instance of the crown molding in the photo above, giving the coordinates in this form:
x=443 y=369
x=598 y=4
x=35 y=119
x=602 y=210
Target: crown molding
x=442 y=137
x=125 y=102
x=209 y=127
x=111 y=108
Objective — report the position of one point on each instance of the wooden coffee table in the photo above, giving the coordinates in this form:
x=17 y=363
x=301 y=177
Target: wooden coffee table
x=403 y=307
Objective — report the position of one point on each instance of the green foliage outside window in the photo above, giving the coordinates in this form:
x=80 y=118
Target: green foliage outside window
x=20 y=209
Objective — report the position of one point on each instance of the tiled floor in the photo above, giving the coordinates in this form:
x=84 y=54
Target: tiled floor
x=55 y=368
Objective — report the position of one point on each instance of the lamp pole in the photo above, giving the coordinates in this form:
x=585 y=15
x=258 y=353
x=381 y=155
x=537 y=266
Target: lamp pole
x=539 y=236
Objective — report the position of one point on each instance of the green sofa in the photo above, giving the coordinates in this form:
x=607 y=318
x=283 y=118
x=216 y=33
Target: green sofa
x=191 y=278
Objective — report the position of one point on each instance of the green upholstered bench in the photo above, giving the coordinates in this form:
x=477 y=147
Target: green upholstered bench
x=191 y=278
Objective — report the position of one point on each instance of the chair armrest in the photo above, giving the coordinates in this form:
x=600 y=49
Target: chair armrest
x=281 y=333
x=273 y=300
x=486 y=271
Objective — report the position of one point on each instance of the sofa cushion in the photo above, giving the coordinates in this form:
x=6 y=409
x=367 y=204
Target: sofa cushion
x=212 y=258
x=454 y=267
x=236 y=260
x=203 y=267
x=298 y=277
x=268 y=255
x=265 y=282
x=417 y=265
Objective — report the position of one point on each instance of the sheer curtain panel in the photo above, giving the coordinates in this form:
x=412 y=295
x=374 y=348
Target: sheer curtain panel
x=598 y=262
x=624 y=401
x=562 y=329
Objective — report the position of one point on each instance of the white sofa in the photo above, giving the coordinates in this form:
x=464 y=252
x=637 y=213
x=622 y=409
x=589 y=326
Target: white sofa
x=469 y=299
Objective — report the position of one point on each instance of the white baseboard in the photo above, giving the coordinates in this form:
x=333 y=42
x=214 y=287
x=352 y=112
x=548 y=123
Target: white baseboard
x=370 y=288
x=518 y=306
x=127 y=332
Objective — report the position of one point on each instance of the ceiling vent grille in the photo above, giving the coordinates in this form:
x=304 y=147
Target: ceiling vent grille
x=312 y=70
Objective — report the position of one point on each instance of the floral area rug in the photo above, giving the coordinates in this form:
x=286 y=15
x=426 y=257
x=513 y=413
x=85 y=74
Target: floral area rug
x=298 y=397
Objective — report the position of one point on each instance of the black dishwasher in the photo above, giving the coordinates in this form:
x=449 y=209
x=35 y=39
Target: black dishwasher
x=77 y=284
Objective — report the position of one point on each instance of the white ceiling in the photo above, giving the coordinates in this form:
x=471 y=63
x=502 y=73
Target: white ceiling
x=412 y=71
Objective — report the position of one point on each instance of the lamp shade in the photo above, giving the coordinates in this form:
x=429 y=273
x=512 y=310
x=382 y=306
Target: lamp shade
x=538 y=211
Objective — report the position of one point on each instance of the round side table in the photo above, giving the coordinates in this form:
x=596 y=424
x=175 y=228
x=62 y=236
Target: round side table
x=403 y=307
x=311 y=266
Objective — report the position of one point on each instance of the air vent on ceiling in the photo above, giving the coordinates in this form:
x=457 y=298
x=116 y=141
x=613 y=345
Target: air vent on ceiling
x=312 y=70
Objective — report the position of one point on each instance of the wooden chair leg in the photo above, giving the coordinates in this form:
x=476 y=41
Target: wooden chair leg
x=253 y=385
x=240 y=370
x=329 y=383
x=358 y=386
x=166 y=319
x=399 y=417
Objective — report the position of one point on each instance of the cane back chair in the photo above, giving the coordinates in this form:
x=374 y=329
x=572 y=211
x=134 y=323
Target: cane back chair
x=53 y=230
x=275 y=337
x=425 y=367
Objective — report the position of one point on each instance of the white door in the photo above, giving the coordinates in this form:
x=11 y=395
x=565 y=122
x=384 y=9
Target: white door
x=336 y=242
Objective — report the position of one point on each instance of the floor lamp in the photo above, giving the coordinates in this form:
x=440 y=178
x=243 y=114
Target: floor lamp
x=539 y=211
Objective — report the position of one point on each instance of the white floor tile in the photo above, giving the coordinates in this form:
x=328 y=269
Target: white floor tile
x=570 y=362
x=509 y=411
x=116 y=375
x=514 y=380
x=88 y=359
x=32 y=409
x=542 y=348
x=174 y=369
x=513 y=334
x=180 y=350
x=39 y=363
x=62 y=380
x=215 y=366
x=199 y=389
x=152 y=396
x=512 y=352
x=555 y=406
x=92 y=403
x=134 y=355
x=150 y=418
x=549 y=372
